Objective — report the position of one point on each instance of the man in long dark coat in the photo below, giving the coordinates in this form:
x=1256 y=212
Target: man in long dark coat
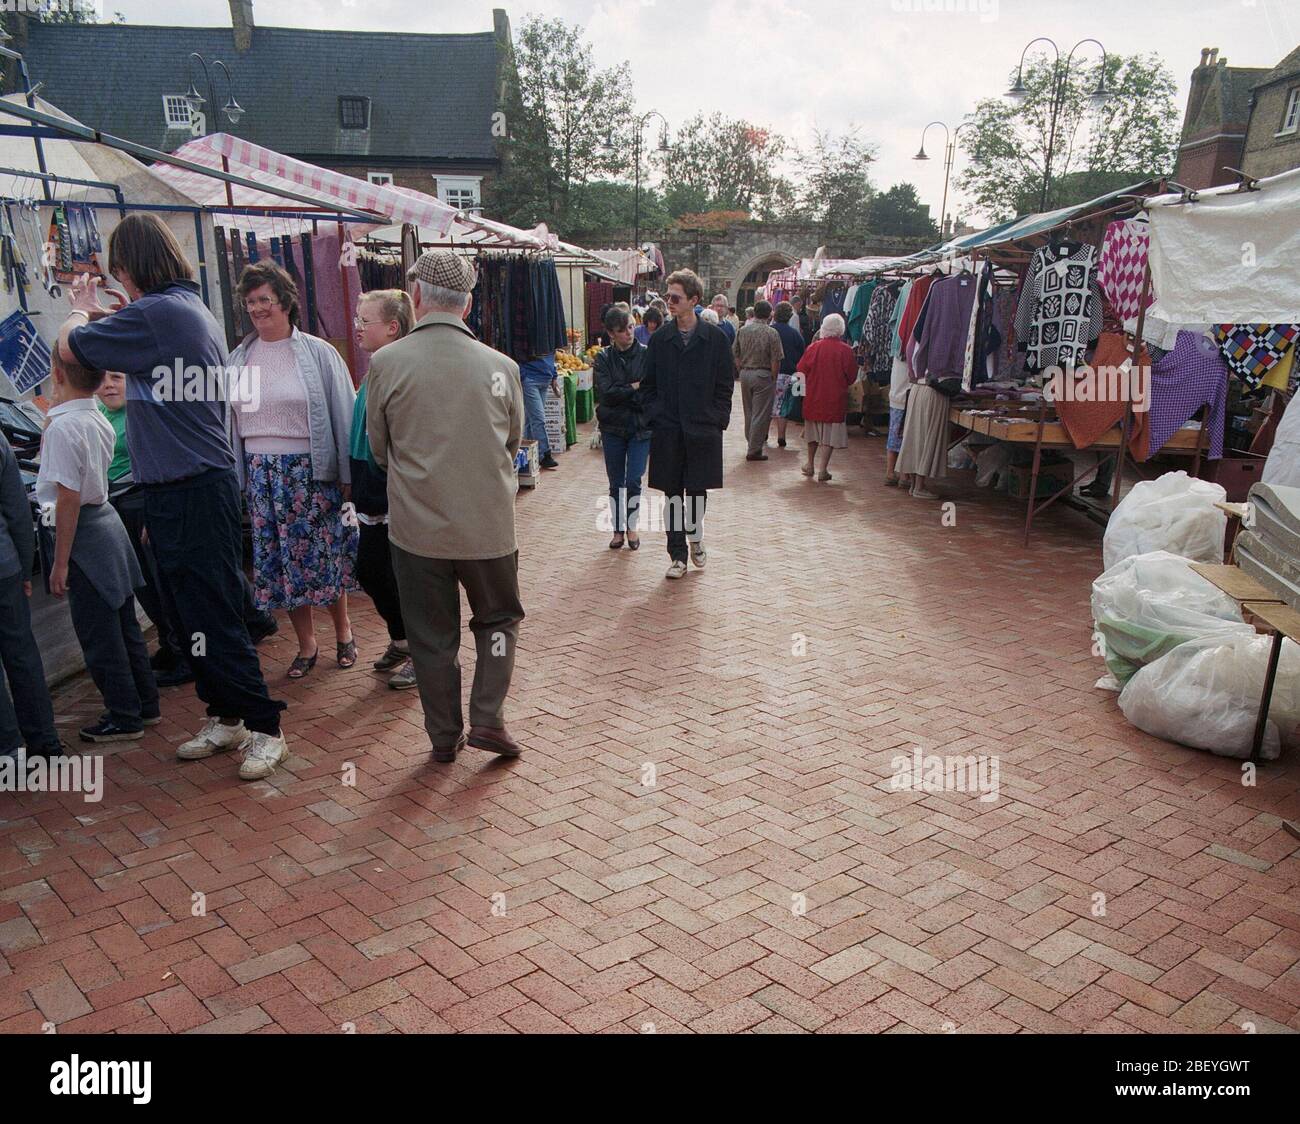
x=686 y=387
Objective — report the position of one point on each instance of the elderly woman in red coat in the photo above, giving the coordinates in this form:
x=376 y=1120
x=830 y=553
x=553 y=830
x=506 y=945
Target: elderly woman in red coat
x=828 y=368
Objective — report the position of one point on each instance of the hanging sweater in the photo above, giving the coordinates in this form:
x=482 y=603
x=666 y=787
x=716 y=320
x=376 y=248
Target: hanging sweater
x=1060 y=307
x=941 y=352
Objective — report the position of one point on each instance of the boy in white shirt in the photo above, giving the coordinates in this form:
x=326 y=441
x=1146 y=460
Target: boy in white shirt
x=87 y=555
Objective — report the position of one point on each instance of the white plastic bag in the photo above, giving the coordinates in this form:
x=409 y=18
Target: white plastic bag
x=1205 y=694
x=991 y=461
x=1148 y=604
x=1174 y=512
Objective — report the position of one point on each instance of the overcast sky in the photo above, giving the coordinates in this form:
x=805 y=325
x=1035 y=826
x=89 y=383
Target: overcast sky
x=889 y=66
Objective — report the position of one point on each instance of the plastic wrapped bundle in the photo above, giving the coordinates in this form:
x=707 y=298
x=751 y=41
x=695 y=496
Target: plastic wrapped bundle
x=1174 y=512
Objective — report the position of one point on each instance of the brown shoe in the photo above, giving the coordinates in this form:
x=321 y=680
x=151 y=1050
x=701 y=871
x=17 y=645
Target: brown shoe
x=445 y=755
x=494 y=741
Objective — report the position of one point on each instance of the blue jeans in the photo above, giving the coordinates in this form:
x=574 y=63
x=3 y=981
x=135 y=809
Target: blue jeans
x=535 y=413
x=625 y=461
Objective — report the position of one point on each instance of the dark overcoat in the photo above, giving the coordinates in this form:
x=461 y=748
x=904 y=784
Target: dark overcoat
x=686 y=391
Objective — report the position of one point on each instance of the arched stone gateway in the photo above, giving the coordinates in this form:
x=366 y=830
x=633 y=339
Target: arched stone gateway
x=755 y=274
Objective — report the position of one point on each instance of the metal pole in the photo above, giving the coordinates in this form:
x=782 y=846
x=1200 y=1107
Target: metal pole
x=636 y=191
x=947 y=171
x=1057 y=91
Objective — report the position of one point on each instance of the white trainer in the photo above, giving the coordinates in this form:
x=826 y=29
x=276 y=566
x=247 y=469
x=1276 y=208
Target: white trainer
x=676 y=570
x=215 y=737
x=698 y=554
x=265 y=752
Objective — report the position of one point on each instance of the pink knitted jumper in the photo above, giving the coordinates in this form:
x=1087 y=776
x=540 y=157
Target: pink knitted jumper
x=280 y=423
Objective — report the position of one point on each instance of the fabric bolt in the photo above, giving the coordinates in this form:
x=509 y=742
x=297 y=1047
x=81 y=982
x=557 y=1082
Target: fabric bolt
x=941 y=350
x=1060 y=307
x=1121 y=265
x=303 y=551
x=1189 y=377
x=1251 y=350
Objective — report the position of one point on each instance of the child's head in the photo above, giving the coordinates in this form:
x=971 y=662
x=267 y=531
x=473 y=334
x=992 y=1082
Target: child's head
x=112 y=391
x=75 y=380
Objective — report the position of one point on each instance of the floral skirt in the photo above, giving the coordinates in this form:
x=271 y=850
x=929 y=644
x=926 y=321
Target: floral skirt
x=303 y=551
x=782 y=385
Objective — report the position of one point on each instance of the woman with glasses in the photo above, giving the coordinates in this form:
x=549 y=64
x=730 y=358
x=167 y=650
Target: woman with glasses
x=291 y=427
x=383 y=317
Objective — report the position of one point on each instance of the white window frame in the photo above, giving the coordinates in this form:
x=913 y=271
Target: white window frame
x=170 y=102
x=381 y=178
x=459 y=186
x=1291 y=115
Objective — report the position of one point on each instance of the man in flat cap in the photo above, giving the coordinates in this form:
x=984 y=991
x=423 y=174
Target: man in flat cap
x=445 y=414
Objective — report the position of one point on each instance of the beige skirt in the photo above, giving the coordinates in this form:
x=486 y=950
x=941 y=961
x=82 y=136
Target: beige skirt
x=834 y=434
x=925 y=433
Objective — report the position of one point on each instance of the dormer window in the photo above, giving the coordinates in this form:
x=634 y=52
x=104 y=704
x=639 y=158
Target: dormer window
x=354 y=112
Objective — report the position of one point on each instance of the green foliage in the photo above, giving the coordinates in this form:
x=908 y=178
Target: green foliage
x=721 y=164
x=563 y=121
x=837 y=189
x=900 y=213
x=1132 y=137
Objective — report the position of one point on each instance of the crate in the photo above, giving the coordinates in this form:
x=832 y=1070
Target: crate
x=1051 y=479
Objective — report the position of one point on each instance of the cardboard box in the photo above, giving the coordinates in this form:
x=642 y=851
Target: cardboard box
x=556 y=431
x=526 y=463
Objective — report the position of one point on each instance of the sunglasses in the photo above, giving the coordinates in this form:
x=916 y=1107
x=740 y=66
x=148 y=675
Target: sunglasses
x=675 y=298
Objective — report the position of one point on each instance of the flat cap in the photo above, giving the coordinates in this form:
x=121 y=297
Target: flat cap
x=446 y=270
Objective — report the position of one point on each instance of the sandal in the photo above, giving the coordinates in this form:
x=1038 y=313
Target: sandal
x=346 y=652
x=302 y=664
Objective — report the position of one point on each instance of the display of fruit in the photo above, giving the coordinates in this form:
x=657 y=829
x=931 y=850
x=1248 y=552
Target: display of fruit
x=567 y=361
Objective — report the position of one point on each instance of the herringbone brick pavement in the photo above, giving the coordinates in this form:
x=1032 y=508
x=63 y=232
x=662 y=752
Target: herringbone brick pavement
x=702 y=834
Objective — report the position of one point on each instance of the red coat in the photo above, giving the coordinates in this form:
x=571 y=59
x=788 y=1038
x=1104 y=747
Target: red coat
x=829 y=368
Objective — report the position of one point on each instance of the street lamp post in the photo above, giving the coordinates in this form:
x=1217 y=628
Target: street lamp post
x=949 y=154
x=1059 y=83
x=641 y=123
x=232 y=109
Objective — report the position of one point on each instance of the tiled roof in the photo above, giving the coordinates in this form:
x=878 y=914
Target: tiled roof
x=432 y=96
x=1289 y=67
x=1226 y=106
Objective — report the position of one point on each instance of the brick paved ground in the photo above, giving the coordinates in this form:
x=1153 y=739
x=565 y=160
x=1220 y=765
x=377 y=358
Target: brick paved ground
x=675 y=904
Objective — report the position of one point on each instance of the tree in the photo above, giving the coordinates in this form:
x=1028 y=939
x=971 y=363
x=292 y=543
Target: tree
x=837 y=189
x=558 y=108
x=721 y=164
x=900 y=212
x=608 y=206
x=1133 y=136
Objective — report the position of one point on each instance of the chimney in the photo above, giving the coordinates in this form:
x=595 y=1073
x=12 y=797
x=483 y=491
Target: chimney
x=1202 y=76
x=241 y=19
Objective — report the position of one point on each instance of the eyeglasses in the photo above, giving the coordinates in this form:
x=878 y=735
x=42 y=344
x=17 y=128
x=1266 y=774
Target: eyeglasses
x=357 y=322
x=675 y=298
x=260 y=302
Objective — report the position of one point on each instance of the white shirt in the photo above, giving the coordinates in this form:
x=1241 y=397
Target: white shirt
x=76 y=451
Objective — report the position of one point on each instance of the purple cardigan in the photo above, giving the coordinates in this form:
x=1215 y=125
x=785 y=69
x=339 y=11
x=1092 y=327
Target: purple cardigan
x=941 y=352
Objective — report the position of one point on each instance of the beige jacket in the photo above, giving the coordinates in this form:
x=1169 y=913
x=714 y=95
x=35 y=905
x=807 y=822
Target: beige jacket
x=444 y=414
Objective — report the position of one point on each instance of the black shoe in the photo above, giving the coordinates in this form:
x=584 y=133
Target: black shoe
x=780 y=442
x=755 y=456
x=259 y=630
x=59 y=749
x=179 y=675
x=107 y=731
x=549 y=461
x=445 y=755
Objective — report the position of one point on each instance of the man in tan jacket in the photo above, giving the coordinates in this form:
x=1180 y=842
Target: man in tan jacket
x=444 y=416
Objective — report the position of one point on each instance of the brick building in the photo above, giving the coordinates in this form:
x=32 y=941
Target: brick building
x=413 y=109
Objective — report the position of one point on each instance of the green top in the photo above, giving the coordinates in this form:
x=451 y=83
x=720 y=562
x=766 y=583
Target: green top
x=359 y=446
x=120 y=466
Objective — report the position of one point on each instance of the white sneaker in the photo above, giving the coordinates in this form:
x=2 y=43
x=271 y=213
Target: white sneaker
x=265 y=752
x=698 y=554
x=213 y=738
x=676 y=570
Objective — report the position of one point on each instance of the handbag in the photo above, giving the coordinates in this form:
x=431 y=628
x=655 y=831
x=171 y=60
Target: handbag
x=792 y=403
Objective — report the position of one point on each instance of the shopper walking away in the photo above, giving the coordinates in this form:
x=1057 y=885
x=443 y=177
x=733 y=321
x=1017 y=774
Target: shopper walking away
x=540 y=378
x=759 y=354
x=686 y=389
x=88 y=556
x=445 y=415
x=180 y=452
x=26 y=715
x=625 y=434
x=383 y=317
x=792 y=347
x=829 y=368
x=291 y=448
